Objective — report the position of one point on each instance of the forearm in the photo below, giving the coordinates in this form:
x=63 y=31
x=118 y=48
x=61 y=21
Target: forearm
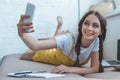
x=30 y=41
x=35 y=44
x=83 y=71
x=77 y=70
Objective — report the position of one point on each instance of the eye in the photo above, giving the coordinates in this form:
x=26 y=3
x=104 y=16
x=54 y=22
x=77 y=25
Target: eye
x=95 y=25
x=86 y=23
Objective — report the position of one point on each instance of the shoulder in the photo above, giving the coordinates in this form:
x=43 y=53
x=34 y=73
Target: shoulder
x=64 y=39
x=97 y=40
x=96 y=44
x=65 y=42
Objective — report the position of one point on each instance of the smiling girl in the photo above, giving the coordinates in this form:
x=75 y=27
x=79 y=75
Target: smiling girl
x=75 y=49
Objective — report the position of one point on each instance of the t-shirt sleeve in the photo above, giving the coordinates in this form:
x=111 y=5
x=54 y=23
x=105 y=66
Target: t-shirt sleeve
x=96 y=45
x=64 y=42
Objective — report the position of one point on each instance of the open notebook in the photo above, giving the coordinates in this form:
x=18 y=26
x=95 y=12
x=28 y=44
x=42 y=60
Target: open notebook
x=34 y=74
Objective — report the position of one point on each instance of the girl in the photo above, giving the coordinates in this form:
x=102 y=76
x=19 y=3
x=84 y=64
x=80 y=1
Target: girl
x=29 y=54
x=75 y=48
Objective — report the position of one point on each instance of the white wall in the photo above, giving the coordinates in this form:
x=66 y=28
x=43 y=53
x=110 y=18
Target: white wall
x=44 y=20
x=112 y=36
x=117 y=2
x=85 y=5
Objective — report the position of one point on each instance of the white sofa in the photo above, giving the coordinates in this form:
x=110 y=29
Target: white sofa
x=12 y=63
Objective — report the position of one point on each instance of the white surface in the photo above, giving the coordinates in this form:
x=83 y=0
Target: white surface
x=45 y=75
x=35 y=75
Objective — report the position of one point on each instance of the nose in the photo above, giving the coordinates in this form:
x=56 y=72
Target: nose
x=90 y=28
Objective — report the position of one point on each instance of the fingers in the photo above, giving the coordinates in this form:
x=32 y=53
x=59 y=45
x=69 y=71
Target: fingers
x=21 y=21
x=23 y=17
x=27 y=27
x=59 y=69
x=24 y=26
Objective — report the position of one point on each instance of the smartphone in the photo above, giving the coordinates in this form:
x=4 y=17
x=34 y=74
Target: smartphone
x=30 y=9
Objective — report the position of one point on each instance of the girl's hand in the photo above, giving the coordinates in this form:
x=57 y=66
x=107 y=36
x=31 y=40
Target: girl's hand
x=62 y=69
x=23 y=26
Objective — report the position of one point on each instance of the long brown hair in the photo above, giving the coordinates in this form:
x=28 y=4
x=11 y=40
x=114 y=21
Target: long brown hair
x=103 y=24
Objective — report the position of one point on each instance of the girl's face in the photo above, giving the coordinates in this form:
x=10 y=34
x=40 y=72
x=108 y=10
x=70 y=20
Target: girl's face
x=91 y=27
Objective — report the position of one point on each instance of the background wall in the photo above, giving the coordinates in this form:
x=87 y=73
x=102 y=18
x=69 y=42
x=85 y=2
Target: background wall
x=44 y=21
x=117 y=2
x=112 y=36
x=85 y=5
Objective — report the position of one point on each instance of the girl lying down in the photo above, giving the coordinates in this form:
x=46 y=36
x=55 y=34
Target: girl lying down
x=68 y=51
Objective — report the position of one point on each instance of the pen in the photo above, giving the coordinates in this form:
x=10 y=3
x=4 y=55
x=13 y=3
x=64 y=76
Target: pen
x=22 y=72
x=39 y=71
x=26 y=72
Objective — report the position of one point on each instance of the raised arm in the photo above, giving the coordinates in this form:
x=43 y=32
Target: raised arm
x=29 y=40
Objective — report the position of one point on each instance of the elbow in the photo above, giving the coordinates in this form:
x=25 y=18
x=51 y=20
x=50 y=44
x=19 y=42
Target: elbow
x=99 y=69
x=34 y=48
x=95 y=69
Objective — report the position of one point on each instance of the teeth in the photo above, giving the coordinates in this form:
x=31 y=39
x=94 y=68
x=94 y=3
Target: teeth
x=89 y=33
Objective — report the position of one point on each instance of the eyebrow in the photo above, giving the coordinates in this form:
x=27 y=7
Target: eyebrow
x=93 y=22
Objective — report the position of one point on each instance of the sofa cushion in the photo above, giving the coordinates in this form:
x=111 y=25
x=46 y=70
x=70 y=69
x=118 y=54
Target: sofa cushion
x=12 y=63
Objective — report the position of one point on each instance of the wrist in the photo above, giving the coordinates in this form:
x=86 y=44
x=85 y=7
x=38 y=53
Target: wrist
x=20 y=33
